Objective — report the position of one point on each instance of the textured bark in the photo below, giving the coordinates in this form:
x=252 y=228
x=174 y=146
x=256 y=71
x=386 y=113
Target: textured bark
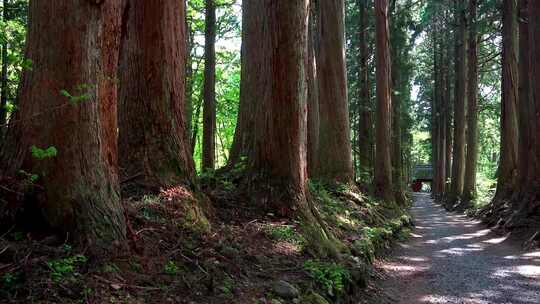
x=449 y=107
x=509 y=120
x=526 y=113
x=209 y=110
x=74 y=47
x=277 y=161
x=365 y=125
x=459 y=150
x=534 y=69
x=313 y=95
x=153 y=140
x=335 y=152
x=4 y=74
x=383 y=167
x=438 y=120
x=469 y=190
x=251 y=76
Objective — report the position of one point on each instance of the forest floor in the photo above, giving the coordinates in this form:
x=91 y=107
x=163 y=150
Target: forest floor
x=451 y=258
x=215 y=247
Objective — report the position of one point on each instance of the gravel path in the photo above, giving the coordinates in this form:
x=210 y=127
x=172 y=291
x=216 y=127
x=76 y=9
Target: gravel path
x=453 y=259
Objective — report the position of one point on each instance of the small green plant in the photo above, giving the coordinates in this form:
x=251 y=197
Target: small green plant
x=66 y=267
x=330 y=276
x=171 y=268
x=227 y=286
x=41 y=154
x=10 y=279
x=285 y=233
x=83 y=93
x=17 y=236
x=29 y=177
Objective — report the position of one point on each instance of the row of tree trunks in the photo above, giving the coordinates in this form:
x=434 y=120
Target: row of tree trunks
x=69 y=101
x=81 y=195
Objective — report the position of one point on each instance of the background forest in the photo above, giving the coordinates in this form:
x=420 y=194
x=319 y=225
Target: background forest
x=205 y=151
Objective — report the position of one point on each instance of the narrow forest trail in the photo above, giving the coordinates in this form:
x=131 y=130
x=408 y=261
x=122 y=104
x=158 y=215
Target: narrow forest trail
x=453 y=259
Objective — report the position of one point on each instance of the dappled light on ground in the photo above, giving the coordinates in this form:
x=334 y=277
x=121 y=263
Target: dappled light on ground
x=453 y=259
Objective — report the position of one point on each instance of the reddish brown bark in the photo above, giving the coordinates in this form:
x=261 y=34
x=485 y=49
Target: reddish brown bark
x=209 y=110
x=313 y=95
x=509 y=120
x=153 y=140
x=458 y=163
x=365 y=125
x=534 y=64
x=335 y=152
x=383 y=167
x=74 y=47
x=469 y=189
x=4 y=74
x=526 y=113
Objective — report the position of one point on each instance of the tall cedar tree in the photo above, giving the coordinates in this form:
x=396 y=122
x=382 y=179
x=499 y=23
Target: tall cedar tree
x=533 y=175
x=276 y=44
x=153 y=140
x=313 y=94
x=4 y=73
x=526 y=109
x=335 y=152
x=459 y=151
x=209 y=111
x=509 y=109
x=68 y=100
x=383 y=166
x=365 y=125
x=469 y=190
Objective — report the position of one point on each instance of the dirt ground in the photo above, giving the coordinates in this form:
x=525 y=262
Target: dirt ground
x=453 y=259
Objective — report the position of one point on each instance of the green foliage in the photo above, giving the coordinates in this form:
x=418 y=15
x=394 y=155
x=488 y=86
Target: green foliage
x=332 y=277
x=84 y=93
x=42 y=154
x=10 y=280
x=66 y=268
x=171 y=268
x=285 y=233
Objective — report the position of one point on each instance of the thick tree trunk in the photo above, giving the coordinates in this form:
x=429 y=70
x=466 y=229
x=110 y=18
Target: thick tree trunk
x=509 y=120
x=449 y=107
x=365 y=125
x=526 y=108
x=153 y=140
x=4 y=74
x=313 y=95
x=335 y=152
x=469 y=190
x=533 y=175
x=74 y=49
x=188 y=114
x=383 y=168
x=458 y=164
x=209 y=111
x=439 y=111
x=251 y=76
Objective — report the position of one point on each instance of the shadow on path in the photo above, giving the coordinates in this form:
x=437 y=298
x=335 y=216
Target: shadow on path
x=453 y=259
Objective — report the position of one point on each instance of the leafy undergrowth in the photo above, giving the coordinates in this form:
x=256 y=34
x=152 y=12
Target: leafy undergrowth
x=233 y=252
